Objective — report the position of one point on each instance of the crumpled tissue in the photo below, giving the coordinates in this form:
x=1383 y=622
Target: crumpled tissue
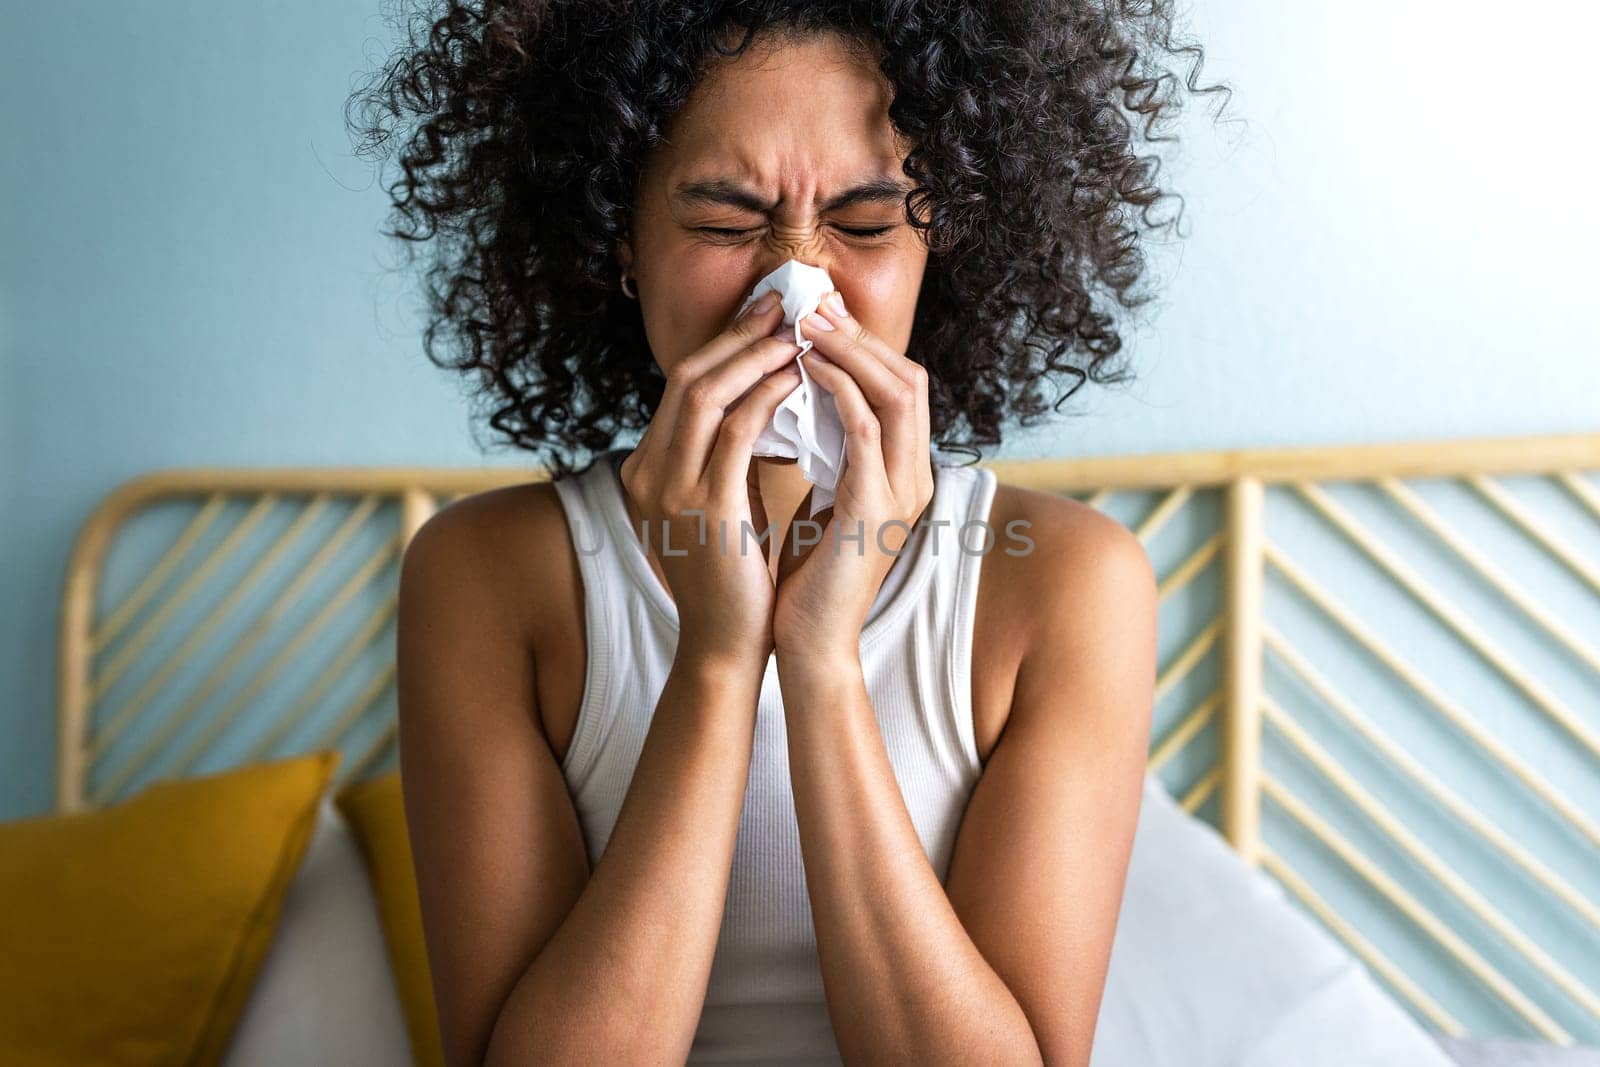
x=806 y=426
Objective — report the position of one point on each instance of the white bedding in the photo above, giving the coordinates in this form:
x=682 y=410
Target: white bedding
x=325 y=994
x=1212 y=965
x=1507 y=1052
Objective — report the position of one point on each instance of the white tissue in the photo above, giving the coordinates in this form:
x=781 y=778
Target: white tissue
x=806 y=427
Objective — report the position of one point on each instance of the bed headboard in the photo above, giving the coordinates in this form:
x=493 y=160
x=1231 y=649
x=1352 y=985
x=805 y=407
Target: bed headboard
x=1379 y=674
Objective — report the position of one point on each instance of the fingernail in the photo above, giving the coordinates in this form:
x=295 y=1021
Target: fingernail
x=835 y=302
x=817 y=322
x=768 y=298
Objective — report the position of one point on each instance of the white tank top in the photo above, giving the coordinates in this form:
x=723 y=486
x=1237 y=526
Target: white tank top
x=765 y=1000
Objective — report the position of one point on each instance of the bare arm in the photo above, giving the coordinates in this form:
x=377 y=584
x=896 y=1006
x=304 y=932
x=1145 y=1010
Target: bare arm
x=1007 y=963
x=533 y=958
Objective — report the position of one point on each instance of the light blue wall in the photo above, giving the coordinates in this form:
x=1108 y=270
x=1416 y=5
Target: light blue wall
x=1388 y=248
x=195 y=275
x=1396 y=245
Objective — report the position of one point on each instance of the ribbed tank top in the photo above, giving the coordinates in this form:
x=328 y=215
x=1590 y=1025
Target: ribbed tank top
x=764 y=1000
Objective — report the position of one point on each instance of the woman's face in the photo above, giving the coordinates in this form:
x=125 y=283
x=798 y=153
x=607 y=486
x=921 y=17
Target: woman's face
x=787 y=148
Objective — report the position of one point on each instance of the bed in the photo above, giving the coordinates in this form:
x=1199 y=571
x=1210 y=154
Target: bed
x=1379 y=686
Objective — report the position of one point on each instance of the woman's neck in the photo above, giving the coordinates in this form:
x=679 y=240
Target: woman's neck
x=783 y=491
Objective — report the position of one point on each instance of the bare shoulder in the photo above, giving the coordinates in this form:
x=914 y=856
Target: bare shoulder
x=1062 y=573
x=1071 y=548
x=494 y=541
x=503 y=555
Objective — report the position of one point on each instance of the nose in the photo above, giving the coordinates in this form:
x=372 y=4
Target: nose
x=803 y=244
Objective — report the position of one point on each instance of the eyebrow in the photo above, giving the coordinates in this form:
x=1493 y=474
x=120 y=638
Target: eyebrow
x=726 y=191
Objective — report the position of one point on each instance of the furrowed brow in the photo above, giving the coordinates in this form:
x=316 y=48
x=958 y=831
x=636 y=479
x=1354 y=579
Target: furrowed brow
x=724 y=192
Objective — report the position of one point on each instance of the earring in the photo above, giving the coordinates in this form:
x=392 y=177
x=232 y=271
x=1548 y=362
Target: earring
x=633 y=295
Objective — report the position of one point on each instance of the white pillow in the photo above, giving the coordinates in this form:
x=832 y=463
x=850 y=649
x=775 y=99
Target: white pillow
x=1213 y=965
x=325 y=993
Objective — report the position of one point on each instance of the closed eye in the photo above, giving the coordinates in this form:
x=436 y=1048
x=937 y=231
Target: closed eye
x=722 y=231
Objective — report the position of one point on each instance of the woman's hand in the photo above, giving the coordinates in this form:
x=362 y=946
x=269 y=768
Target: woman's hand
x=691 y=477
x=826 y=591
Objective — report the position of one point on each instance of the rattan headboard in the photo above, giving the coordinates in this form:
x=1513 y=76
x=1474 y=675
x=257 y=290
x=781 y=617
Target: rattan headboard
x=1424 y=779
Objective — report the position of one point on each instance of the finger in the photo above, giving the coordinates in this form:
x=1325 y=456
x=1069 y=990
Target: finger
x=734 y=451
x=897 y=362
x=705 y=403
x=746 y=329
x=893 y=395
x=924 y=450
x=862 y=431
x=730 y=465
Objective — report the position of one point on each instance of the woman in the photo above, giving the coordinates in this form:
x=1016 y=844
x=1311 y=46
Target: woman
x=710 y=804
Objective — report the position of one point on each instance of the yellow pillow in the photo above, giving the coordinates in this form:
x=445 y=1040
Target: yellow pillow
x=375 y=810
x=133 y=934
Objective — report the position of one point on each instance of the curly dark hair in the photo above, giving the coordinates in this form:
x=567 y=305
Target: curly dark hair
x=524 y=126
